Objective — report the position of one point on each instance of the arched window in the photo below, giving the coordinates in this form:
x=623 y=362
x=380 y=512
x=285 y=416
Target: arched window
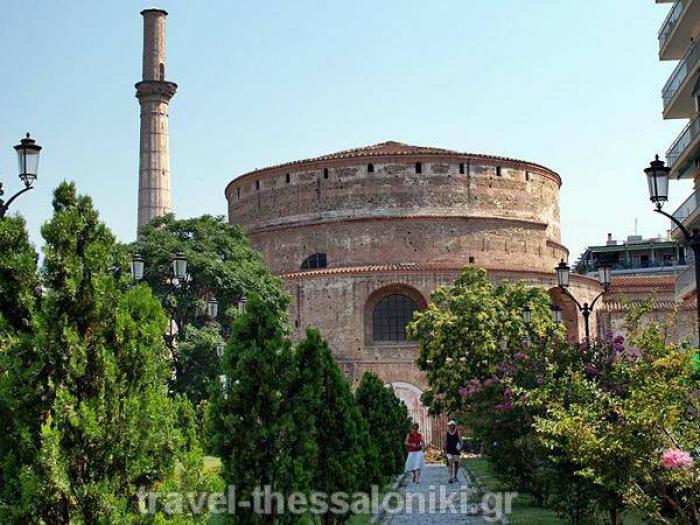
x=312 y=262
x=391 y=316
x=162 y=71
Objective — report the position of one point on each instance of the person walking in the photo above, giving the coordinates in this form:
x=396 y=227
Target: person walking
x=453 y=448
x=415 y=445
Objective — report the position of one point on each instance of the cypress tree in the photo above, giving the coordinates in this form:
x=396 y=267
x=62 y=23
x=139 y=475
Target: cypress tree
x=102 y=423
x=341 y=434
x=388 y=422
x=252 y=423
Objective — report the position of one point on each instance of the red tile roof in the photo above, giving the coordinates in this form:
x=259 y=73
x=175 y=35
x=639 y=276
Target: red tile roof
x=394 y=148
x=418 y=268
x=643 y=282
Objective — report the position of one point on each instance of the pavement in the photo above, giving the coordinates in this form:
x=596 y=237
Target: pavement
x=434 y=501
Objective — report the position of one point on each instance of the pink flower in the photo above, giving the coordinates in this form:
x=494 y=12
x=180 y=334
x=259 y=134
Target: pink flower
x=519 y=356
x=504 y=407
x=507 y=393
x=676 y=459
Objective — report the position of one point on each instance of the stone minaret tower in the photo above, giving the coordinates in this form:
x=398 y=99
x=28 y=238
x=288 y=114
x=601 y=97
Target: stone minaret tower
x=154 y=94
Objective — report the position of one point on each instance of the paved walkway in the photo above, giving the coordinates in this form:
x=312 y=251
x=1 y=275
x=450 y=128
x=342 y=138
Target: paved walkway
x=442 y=503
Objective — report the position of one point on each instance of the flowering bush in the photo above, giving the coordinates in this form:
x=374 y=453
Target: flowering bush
x=589 y=427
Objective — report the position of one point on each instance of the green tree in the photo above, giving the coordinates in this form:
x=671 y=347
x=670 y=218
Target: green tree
x=252 y=423
x=388 y=422
x=20 y=401
x=221 y=264
x=342 y=434
x=102 y=425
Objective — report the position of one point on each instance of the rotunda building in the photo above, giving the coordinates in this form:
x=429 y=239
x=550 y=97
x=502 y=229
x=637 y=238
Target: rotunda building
x=361 y=237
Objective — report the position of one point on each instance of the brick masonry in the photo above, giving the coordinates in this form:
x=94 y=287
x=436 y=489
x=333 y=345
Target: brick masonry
x=386 y=228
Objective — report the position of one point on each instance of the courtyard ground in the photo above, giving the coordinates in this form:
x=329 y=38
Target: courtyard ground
x=434 y=491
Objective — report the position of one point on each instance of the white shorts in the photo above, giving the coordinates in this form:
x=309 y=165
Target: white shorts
x=450 y=457
x=414 y=461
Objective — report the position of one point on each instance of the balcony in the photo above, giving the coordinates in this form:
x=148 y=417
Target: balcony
x=677 y=93
x=681 y=156
x=680 y=27
x=667 y=29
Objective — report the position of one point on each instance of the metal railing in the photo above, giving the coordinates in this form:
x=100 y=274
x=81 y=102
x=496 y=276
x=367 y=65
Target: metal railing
x=680 y=73
x=688 y=207
x=684 y=140
x=670 y=23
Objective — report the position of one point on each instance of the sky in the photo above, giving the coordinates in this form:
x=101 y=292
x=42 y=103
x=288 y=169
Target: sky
x=574 y=85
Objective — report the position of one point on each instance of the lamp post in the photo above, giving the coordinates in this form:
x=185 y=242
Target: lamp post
x=28 y=163
x=657 y=178
x=564 y=276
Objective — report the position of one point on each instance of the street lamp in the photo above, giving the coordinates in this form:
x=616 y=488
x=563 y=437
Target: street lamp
x=179 y=266
x=241 y=305
x=556 y=313
x=527 y=315
x=564 y=276
x=212 y=308
x=137 y=264
x=657 y=178
x=28 y=163
x=220 y=349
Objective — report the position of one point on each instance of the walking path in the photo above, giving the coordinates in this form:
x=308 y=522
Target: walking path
x=442 y=503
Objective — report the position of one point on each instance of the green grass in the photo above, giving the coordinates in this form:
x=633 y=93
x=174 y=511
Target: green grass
x=525 y=512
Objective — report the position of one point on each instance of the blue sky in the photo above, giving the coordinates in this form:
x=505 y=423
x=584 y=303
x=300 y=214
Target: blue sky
x=573 y=84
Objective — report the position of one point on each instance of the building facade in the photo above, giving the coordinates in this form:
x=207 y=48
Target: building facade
x=361 y=237
x=635 y=256
x=679 y=40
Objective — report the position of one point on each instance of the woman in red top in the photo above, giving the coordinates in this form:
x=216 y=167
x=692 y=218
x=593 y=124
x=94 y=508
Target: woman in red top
x=415 y=445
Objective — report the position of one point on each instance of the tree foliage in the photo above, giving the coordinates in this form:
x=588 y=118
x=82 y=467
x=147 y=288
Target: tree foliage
x=589 y=428
x=388 y=423
x=254 y=423
x=96 y=423
x=222 y=265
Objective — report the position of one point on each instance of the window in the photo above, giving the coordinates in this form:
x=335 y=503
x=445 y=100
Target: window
x=471 y=260
x=391 y=316
x=312 y=262
x=527 y=175
x=498 y=171
x=257 y=184
x=287 y=178
x=162 y=71
x=461 y=168
x=238 y=193
x=419 y=167
x=325 y=173
x=370 y=168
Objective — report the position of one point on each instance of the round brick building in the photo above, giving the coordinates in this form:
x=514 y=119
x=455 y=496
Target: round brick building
x=361 y=237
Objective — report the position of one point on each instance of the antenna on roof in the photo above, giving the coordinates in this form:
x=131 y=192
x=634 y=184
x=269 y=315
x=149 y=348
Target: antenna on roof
x=636 y=226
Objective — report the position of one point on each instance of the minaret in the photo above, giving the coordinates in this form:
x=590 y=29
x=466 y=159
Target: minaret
x=154 y=94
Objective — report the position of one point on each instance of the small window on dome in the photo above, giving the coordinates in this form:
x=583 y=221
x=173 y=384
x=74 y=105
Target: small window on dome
x=461 y=168
x=287 y=178
x=257 y=184
x=315 y=261
x=498 y=171
x=325 y=173
x=370 y=168
x=419 y=167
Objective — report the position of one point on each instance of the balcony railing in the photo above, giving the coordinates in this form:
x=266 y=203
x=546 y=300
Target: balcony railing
x=684 y=140
x=688 y=207
x=687 y=63
x=670 y=23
